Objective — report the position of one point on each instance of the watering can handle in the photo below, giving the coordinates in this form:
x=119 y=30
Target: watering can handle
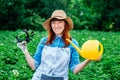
x=101 y=49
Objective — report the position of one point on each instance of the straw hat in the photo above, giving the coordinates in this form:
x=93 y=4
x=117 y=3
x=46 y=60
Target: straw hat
x=59 y=14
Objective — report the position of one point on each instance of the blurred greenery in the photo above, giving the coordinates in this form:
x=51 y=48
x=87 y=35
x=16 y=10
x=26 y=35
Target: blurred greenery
x=102 y=15
x=93 y=19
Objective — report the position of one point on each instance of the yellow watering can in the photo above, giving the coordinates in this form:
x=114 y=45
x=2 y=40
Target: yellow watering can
x=91 y=49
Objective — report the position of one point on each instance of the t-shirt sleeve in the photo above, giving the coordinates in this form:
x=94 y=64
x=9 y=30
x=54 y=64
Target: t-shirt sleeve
x=38 y=53
x=74 y=59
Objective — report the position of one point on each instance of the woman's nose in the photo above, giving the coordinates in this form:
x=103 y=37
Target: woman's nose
x=56 y=24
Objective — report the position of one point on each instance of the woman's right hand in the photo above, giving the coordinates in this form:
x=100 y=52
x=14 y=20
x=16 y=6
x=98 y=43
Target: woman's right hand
x=23 y=46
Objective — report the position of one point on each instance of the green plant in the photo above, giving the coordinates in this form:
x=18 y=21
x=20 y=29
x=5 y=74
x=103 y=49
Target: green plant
x=26 y=35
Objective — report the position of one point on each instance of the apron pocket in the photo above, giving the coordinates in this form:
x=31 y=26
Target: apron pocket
x=45 y=77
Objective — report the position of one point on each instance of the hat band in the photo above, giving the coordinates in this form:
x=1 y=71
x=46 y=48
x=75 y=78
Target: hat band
x=59 y=17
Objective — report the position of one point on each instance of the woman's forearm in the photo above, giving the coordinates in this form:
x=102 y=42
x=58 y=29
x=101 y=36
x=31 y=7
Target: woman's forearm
x=29 y=60
x=80 y=66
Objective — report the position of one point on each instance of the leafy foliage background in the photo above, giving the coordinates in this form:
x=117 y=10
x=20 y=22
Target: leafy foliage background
x=14 y=67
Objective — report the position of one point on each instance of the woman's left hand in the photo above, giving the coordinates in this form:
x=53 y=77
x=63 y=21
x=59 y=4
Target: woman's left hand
x=99 y=58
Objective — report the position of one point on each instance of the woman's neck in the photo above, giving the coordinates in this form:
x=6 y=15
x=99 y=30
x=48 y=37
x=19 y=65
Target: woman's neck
x=59 y=35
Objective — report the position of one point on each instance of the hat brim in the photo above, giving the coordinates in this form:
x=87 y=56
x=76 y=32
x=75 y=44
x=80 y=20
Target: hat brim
x=46 y=24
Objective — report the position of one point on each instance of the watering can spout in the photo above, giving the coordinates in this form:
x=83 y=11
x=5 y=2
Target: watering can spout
x=91 y=49
x=79 y=50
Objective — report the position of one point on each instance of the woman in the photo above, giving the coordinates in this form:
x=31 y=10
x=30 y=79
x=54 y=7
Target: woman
x=54 y=55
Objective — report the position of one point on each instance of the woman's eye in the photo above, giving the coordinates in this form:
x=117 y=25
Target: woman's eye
x=53 y=22
x=60 y=21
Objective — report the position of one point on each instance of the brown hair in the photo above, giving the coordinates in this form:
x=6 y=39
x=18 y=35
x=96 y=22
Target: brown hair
x=65 y=35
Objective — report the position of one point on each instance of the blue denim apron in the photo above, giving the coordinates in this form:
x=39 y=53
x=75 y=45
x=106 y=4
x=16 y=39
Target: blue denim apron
x=54 y=64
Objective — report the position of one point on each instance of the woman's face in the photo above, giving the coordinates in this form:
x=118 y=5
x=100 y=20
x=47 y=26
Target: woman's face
x=58 y=26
